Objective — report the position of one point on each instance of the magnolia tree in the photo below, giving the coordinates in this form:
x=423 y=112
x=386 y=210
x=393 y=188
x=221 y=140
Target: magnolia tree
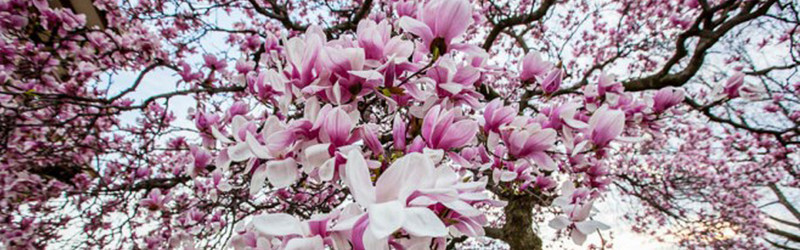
x=395 y=124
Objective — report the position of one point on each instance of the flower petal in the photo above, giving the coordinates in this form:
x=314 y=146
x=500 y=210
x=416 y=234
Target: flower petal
x=559 y=222
x=589 y=226
x=239 y=152
x=258 y=180
x=277 y=224
x=358 y=179
x=282 y=173
x=259 y=150
x=305 y=243
x=418 y=28
x=385 y=218
x=422 y=221
x=458 y=134
x=412 y=172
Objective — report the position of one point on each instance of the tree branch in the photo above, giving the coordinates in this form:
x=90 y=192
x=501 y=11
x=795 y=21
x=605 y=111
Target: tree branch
x=514 y=21
x=707 y=38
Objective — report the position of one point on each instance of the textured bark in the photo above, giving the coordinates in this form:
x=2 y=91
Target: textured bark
x=518 y=230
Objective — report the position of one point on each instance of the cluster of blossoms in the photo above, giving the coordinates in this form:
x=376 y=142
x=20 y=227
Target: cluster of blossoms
x=394 y=127
x=401 y=125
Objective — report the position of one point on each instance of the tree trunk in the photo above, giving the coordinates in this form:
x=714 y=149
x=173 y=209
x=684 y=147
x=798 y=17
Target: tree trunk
x=518 y=230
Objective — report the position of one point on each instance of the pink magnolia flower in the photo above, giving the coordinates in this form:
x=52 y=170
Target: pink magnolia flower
x=733 y=84
x=155 y=200
x=402 y=198
x=607 y=84
x=399 y=133
x=369 y=135
x=243 y=66
x=236 y=109
x=439 y=22
x=552 y=82
x=302 y=54
x=337 y=127
x=213 y=63
x=376 y=40
x=529 y=140
x=577 y=220
x=496 y=115
x=201 y=159
x=441 y=130
x=455 y=82
x=406 y=7
x=186 y=73
x=575 y=205
x=273 y=143
x=544 y=183
x=606 y=125
x=533 y=66
x=666 y=98
x=280 y=173
x=278 y=231
x=564 y=114
x=270 y=86
x=387 y=201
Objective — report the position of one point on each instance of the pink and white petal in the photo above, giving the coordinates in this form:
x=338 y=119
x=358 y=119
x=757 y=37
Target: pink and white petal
x=439 y=194
x=358 y=179
x=338 y=126
x=582 y=212
x=422 y=201
x=239 y=152
x=436 y=155
x=559 y=222
x=222 y=161
x=280 y=142
x=459 y=134
x=317 y=154
x=590 y=226
x=578 y=237
x=579 y=148
x=277 y=224
x=474 y=196
x=576 y=124
x=258 y=180
x=429 y=122
x=367 y=74
x=508 y=176
x=258 y=150
x=416 y=27
x=371 y=242
x=217 y=134
x=446 y=177
x=327 y=169
x=407 y=174
x=385 y=218
x=421 y=221
x=238 y=123
x=544 y=161
x=305 y=243
x=462 y=208
x=346 y=224
x=452 y=88
x=282 y=173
